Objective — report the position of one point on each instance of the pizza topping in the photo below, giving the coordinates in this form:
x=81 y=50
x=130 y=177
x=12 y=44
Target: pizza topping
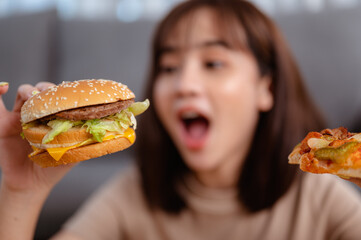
x=327 y=131
x=317 y=143
x=338 y=154
x=329 y=138
x=357 y=137
x=339 y=133
x=305 y=148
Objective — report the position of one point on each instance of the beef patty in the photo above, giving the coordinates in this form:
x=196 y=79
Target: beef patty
x=91 y=112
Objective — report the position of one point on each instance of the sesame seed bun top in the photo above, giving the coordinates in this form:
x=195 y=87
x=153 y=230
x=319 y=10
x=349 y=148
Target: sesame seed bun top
x=70 y=95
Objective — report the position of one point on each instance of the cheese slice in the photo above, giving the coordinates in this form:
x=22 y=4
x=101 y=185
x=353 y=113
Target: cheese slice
x=57 y=153
x=35 y=151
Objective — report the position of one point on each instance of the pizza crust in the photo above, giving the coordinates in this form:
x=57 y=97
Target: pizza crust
x=295 y=156
x=356 y=173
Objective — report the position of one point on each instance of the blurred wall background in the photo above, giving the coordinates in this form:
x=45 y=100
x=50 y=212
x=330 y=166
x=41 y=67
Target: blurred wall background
x=64 y=40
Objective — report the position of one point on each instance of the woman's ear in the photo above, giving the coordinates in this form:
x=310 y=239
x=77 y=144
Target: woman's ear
x=265 y=96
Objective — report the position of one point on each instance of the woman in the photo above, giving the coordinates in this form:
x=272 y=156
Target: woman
x=228 y=105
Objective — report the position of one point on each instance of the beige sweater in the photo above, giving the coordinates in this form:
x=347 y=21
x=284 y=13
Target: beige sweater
x=318 y=207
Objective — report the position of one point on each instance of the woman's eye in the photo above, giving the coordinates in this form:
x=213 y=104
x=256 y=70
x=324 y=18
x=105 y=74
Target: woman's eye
x=168 y=69
x=213 y=64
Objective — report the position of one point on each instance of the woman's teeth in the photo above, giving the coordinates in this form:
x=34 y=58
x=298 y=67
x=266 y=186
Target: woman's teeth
x=189 y=115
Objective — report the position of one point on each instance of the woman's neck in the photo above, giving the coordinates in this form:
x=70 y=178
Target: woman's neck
x=220 y=178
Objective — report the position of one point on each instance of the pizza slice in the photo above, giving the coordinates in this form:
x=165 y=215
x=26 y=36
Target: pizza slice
x=335 y=151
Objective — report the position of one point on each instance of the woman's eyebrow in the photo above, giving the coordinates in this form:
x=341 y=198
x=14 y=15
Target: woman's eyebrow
x=212 y=43
x=205 y=44
x=168 y=49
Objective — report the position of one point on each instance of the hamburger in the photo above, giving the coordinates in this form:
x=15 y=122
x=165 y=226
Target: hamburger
x=80 y=120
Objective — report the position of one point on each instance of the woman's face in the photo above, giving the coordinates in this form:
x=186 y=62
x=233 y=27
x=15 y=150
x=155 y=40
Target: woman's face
x=208 y=96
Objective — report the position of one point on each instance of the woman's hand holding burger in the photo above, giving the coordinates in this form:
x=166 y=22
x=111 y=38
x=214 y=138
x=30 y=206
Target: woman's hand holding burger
x=63 y=124
x=24 y=184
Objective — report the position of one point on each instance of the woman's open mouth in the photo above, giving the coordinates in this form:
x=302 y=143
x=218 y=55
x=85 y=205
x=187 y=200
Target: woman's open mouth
x=195 y=128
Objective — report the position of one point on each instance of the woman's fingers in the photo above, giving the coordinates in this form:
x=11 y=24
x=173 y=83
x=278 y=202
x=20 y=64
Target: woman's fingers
x=4 y=87
x=44 y=85
x=356 y=181
x=25 y=91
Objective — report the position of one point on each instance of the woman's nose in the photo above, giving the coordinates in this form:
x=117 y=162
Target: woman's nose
x=189 y=81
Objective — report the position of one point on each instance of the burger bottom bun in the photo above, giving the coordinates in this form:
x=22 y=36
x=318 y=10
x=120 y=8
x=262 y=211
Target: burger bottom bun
x=82 y=153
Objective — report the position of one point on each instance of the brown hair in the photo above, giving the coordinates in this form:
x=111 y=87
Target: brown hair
x=266 y=174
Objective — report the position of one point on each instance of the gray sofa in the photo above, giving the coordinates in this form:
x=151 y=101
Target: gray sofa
x=40 y=47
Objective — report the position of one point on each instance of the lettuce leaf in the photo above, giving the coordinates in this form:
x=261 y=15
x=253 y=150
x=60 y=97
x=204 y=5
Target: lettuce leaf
x=99 y=127
x=118 y=123
x=138 y=108
x=125 y=119
x=58 y=126
x=28 y=125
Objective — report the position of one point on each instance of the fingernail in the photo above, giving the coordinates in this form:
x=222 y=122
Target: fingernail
x=3 y=84
x=34 y=92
